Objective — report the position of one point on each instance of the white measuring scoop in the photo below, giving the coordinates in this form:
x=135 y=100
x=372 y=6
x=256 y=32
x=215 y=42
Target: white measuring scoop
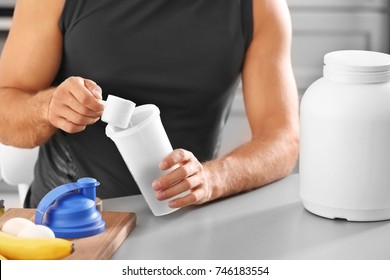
x=118 y=111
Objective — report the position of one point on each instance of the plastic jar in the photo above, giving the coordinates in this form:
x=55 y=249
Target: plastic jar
x=345 y=138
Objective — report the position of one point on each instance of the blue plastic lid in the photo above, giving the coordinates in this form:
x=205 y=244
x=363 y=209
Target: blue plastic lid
x=70 y=210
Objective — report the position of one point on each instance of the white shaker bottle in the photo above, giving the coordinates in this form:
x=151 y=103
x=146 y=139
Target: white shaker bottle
x=142 y=145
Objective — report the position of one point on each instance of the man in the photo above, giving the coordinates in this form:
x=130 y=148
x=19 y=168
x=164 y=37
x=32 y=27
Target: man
x=184 y=56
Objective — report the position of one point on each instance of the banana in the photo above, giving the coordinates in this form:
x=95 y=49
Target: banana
x=21 y=248
x=2 y=258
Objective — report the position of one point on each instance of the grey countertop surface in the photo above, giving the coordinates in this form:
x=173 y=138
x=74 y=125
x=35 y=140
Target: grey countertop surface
x=267 y=223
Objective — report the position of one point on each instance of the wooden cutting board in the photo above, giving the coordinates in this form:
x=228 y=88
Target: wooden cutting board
x=97 y=247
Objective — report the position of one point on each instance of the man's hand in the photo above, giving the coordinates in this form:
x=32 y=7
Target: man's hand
x=188 y=176
x=75 y=103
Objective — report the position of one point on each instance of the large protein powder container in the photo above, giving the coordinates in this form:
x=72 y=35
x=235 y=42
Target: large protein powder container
x=345 y=138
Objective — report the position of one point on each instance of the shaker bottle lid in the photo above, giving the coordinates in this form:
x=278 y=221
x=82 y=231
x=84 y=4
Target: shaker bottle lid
x=358 y=61
x=70 y=210
x=117 y=111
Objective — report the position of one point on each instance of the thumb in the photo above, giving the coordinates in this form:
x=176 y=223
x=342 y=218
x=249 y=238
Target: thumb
x=93 y=88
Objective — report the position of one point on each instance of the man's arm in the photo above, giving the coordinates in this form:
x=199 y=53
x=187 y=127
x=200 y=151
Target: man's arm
x=271 y=103
x=30 y=111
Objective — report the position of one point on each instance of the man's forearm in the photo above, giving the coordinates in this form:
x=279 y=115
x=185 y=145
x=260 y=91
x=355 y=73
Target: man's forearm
x=254 y=164
x=23 y=118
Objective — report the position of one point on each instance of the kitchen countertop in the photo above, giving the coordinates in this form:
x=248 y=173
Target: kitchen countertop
x=267 y=223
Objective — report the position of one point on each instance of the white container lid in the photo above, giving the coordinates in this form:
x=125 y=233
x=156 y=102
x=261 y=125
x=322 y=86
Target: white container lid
x=357 y=66
x=356 y=60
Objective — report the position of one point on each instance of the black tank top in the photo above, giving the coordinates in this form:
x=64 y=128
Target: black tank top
x=185 y=56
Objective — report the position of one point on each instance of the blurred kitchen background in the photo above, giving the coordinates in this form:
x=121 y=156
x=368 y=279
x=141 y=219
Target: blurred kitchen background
x=319 y=27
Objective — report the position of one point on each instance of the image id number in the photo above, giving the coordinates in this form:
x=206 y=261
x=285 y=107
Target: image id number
x=259 y=270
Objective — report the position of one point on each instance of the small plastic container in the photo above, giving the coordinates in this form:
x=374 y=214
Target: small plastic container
x=118 y=111
x=345 y=138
